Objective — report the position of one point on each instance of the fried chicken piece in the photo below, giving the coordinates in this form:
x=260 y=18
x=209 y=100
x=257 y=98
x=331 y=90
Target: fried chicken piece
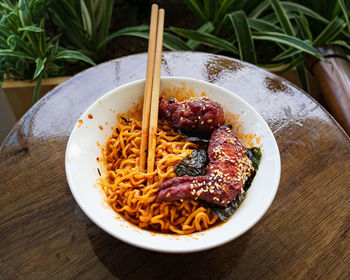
x=198 y=115
x=228 y=169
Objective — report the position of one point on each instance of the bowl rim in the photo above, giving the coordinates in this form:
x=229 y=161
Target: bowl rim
x=151 y=247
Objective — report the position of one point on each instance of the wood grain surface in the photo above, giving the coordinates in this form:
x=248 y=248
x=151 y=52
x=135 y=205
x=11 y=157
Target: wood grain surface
x=304 y=234
x=334 y=78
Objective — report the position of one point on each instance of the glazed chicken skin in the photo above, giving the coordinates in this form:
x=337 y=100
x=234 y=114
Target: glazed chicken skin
x=197 y=114
x=229 y=167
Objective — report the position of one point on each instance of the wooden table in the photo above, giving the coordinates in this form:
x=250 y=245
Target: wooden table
x=304 y=234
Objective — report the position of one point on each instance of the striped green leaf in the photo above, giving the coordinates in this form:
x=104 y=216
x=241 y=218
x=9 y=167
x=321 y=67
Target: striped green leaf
x=138 y=31
x=37 y=88
x=170 y=41
x=75 y=55
x=224 y=7
x=341 y=43
x=87 y=22
x=206 y=39
x=26 y=20
x=330 y=32
x=42 y=40
x=296 y=8
x=15 y=54
x=345 y=11
x=210 y=7
x=271 y=66
x=273 y=18
x=298 y=60
x=288 y=53
x=40 y=65
x=6 y=6
x=244 y=36
x=207 y=28
x=16 y=42
x=4 y=30
x=196 y=10
x=98 y=11
x=302 y=76
x=24 y=13
x=303 y=29
x=173 y=43
x=106 y=15
x=259 y=9
x=282 y=17
x=262 y=25
x=287 y=40
x=225 y=28
x=31 y=29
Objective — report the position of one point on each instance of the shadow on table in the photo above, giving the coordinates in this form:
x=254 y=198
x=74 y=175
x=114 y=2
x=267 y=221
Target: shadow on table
x=128 y=262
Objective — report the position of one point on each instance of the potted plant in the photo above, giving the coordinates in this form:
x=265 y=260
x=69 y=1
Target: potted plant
x=28 y=53
x=36 y=52
x=273 y=34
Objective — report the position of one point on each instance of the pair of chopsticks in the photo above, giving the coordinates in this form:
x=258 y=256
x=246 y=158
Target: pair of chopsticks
x=151 y=93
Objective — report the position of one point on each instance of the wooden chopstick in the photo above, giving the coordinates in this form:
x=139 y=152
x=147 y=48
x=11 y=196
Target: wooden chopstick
x=155 y=97
x=148 y=86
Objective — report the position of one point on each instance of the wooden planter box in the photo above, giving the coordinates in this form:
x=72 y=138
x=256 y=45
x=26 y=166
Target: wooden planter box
x=19 y=93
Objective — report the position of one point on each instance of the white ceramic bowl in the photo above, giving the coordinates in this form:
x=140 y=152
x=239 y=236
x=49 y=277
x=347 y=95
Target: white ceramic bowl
x=81 y=168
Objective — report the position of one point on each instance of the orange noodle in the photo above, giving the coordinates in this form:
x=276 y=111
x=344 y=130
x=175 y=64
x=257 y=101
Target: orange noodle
x=126 y=187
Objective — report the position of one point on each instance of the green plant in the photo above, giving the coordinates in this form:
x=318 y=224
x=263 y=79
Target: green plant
x=85 y=23
x=269 y=32
x=26 y=51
